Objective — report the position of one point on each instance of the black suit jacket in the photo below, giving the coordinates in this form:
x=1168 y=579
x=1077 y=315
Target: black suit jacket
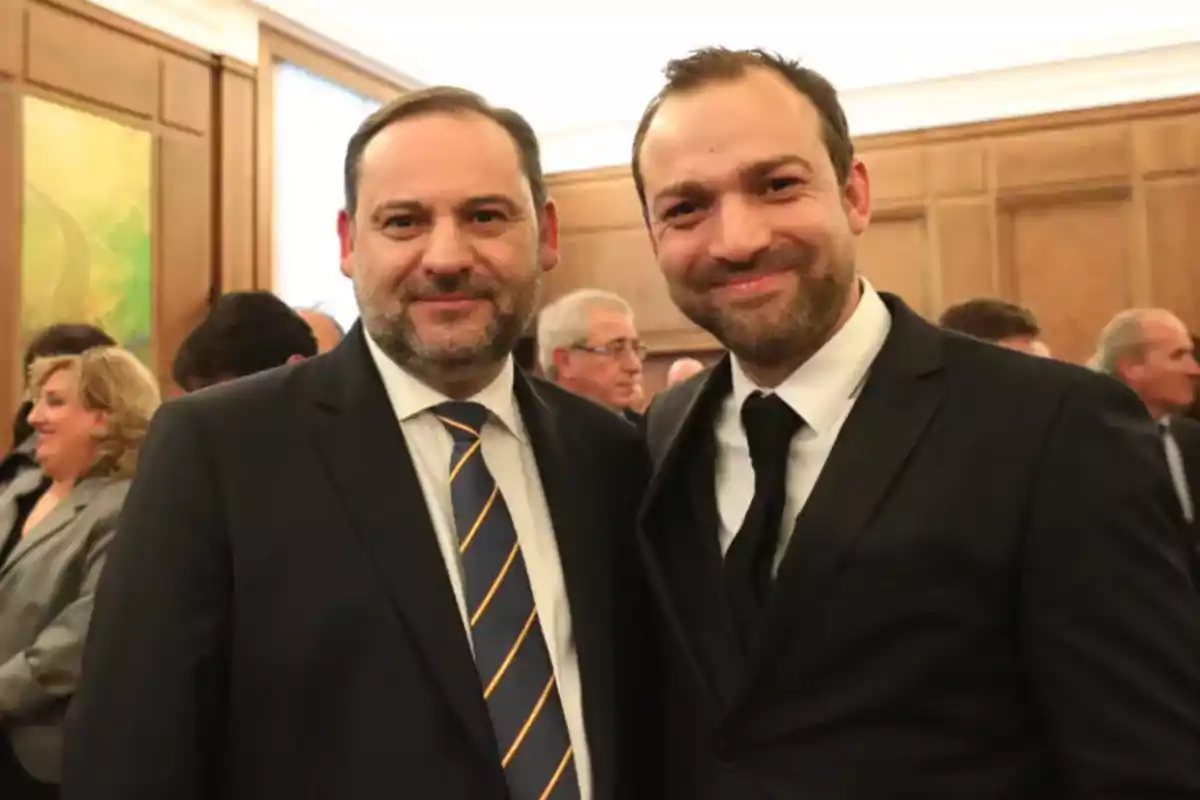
x=1187 y=435
x=276 y=622
x=985 y=596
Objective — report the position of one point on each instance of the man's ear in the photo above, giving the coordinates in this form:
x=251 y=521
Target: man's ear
x=856 y=197
x=548 y=235
x=345 y=227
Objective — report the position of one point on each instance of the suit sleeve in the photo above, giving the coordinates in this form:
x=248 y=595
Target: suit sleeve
x=48 y=669
x=147 y=719
x=1110 y=622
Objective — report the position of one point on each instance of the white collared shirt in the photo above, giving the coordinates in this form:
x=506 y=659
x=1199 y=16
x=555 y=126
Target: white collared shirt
x=510 y=458
x=822 y=391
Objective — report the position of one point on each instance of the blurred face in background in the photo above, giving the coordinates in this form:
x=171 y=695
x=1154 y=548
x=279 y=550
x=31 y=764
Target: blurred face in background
x=607 y=367
x=1164 y=377
x=446 y=249
x=67 y=431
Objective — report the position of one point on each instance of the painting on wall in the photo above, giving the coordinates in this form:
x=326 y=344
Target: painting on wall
x=86 y=225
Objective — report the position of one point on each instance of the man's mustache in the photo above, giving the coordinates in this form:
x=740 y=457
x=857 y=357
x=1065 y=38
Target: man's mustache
x=461 y=285
x=792 y=257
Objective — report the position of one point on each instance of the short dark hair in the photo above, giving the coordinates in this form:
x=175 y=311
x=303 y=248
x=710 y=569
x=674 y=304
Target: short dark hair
x=991 y=319
x=710 y=65
x=445 y=100
x=63 y=339
x=243 y=333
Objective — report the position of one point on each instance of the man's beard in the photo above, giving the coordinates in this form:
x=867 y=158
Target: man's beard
x=770 y=338
x=388 y=323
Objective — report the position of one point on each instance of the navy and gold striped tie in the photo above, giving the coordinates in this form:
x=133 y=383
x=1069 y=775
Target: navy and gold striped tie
x=510 y=652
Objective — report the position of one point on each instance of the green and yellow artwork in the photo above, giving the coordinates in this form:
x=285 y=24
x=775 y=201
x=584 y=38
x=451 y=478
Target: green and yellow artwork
x=85 y=228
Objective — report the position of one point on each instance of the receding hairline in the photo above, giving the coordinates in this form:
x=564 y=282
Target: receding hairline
x=452 y=112
x=745 y=72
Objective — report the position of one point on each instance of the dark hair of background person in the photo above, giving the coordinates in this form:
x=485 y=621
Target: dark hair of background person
x=711 y=65
x=243 y=333
x=990 y=319
x=445 y=100
x=63 y=339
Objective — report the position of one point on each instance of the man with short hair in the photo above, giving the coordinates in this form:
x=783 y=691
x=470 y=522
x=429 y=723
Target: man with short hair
x=399 y=570
x=682 y=369
x=996 y=321
x=890 y=561
x=1151 y=351
x=588 y=343
x=327 y=330
x=244 y=333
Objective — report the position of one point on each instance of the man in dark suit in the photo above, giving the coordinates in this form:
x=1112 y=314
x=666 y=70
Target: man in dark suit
x=398 y=570
x=1151 y=352
x=892 y=562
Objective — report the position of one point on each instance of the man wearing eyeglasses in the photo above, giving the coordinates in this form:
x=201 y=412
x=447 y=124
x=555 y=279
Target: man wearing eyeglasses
x=588 y=344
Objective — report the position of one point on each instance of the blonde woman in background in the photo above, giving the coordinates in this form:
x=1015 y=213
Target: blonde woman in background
x=57 y=517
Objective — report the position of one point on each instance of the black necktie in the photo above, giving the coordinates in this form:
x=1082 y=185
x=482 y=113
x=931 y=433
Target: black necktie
x=770 y=425
x=510 y=651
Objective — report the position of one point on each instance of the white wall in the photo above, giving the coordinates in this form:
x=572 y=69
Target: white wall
x=227 y=27
x=1083 y=83
x=892 y=80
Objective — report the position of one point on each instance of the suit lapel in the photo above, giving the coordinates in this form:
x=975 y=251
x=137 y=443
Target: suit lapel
x=59 y=517
x=678 y=528
x=364 y=451
x=583 y=549
x=897 y=402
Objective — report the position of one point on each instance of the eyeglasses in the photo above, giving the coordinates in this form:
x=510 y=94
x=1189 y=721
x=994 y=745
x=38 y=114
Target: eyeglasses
x=616 y=349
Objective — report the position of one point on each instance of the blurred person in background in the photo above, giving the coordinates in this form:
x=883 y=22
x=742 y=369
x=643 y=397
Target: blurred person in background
x=588 y=344
x=63 y=339
x=57 y=517
x=683 y=368
x=327 y=330
x=243 y=334
x=997 y=321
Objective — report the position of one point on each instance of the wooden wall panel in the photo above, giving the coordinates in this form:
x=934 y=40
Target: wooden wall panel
x=894 y=259
x=1076 y=214
x=77 y=54
x=184 y=246
x=187 y=94
x=1074 y=259
x=1173 y=213
x=237 y=214
x=89 y=61
x=12 y=39
x=10 y=255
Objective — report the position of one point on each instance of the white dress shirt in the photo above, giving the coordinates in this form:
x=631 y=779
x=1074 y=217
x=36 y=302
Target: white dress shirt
x=822 y=391
x=510 y=459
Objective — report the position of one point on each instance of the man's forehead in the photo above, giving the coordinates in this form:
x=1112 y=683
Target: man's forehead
x=757 y=116
x=443 y=153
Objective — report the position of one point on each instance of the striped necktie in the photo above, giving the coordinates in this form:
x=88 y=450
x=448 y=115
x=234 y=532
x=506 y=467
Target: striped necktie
x=510 y=651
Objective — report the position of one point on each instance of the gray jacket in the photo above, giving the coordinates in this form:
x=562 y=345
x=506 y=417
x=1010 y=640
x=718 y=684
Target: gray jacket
x=46 y=587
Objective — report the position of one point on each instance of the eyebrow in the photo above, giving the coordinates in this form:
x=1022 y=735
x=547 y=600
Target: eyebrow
x=756 y=170
x=392 y=206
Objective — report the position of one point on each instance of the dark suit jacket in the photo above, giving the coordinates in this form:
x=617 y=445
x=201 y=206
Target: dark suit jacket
x=1187 y=436
x=985 y=596
x=276 y=620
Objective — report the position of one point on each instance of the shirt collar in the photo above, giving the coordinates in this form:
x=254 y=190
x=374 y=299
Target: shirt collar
x=410 y=396
x=820 y=388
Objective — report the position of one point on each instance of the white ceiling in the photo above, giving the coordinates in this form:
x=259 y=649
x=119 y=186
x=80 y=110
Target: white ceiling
x=573 y=70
